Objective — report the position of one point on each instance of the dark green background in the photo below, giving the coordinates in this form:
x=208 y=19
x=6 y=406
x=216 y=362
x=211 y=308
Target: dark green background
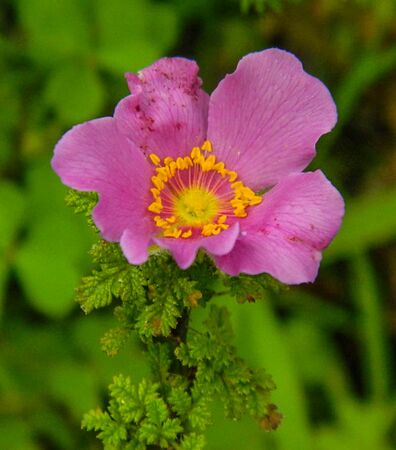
x=330 y=346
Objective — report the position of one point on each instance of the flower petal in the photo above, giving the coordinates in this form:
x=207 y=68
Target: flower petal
x=94 y=156
x=185 y=250
x=135 y=242
x=285 y=234
x=167 y=111
x=266 y=117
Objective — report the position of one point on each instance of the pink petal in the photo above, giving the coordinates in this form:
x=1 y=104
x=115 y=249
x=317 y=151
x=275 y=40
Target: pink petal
x=94 y=156
x=167 y=111
x=185 y=250
x=135 y=242
x=285 y=234
x=266 y=117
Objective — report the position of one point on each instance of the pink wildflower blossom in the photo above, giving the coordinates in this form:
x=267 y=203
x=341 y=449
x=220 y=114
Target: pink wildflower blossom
x=181 y=170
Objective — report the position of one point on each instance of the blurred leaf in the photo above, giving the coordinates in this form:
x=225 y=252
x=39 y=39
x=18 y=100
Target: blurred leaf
x=55 y=29
x=12 y=209
x=9 y=115
x=53 y=427
x=369 y=221
x=74 y=386
x=363 y=427
x=365 y=291
x=367 y=70
x=47 y=277
x=75 y=92
x=305 y=339
x=50 y=261
x=16 y=435
x=3 y=282
x=263 y=343
x=132 y=34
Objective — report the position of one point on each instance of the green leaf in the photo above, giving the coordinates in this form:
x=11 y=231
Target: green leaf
x=75 y=92
x=16 y=435
x=373 y=332
x=35 y=264
x=363 y=228
x=192 y=441
x=12 y=210
x=264 y=339
x=74 y=386
x=3 y=282
x=55 y=29
x=133 y=33
x=54 y=247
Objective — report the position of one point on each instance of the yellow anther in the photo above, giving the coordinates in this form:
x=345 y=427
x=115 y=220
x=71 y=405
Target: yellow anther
x=232 y=176
x=172 y=233
x=172 y=167
x=209 y=163
x=236 y=202
x=237 y=185
x=216 y=230
x=256 y=200
x=158 y=183
x=188 y=161
x=222 y=219
x=155 y=159
x=155 y=207
x=171 y=219
x=208 y=229
x=207 y=146
x=186 y=234
x=195 y=152
x=180 y=163
x=219 y=167
x=223 y=226
x=162 y=173
x=240 y=212
x=161 y=222
x=247 y=192
x=168 y=160
x=155 y=192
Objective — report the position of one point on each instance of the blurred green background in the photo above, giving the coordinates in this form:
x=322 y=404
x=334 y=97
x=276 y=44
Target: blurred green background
x=329 y=346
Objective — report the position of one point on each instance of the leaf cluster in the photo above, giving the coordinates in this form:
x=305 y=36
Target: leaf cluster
x=190 y=367
x=246 y=288
x=220 y=372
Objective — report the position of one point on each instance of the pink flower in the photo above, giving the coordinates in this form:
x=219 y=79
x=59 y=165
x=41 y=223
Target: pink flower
x=182 y=170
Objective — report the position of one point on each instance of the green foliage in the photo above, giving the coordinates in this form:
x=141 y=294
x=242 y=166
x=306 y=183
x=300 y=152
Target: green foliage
x=189 y=367
x=220 y=371
x=262 y=5
x=52 y=368
x=58 y=262
x=250 y=289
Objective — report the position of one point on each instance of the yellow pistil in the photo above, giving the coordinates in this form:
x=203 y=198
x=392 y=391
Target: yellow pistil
x=183 y=204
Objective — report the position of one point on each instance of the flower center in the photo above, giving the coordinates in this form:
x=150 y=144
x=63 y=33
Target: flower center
x=196 y=207
x=196 y=195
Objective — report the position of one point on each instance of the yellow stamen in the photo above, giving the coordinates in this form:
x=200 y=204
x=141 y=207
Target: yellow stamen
x=180 y=163
x=186 y=234
x=158 y=183
x=155 y=159
x=155 y=192
x=207 y=146
x=191 y=203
